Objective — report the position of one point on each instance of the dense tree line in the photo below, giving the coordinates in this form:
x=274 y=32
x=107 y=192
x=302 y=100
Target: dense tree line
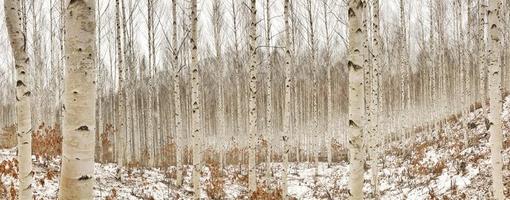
x=173 y=83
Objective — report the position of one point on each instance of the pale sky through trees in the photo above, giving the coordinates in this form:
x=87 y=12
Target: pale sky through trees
x=163 y=26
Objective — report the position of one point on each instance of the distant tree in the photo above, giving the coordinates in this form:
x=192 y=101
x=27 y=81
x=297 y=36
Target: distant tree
x=253 y=70
x=287 y=98
x=196 y=123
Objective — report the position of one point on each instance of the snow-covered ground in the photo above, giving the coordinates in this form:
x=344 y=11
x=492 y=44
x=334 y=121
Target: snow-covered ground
x=437 y=166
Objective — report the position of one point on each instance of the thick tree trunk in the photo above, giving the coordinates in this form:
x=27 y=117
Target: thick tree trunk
x=356 y=100
x=495 y=121
x=14 y=21
x=79 y=100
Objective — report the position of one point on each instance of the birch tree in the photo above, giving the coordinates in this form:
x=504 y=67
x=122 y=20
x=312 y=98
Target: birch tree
x=287 y=97
x=252 y=179
x=196 y=124
x=269 y=92
x=79 y=102
x=495 y=98
x=17 y=37
x=374 y=142
x=329 y=119
x=482 y=9
x=313 y=65
x=121 y=109
x=356 y=99
x=177 y=96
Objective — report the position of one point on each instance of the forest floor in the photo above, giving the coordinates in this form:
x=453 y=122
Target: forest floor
x=437 y=165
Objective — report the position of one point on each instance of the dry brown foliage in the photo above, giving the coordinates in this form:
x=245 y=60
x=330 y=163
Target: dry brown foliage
x=13 y=192
x=172 y=174
x=47 y=142
x=134 y=164
x=265 y=193
x=8 y=137
x=3 y=190
x=240 y=178
x=215 y=187
x=432 y=194
x=169 y=150
x=106 y=144
x=420 y=150
x=9 y=168
x=506 y=143
x=113 y=195
x=438 y=167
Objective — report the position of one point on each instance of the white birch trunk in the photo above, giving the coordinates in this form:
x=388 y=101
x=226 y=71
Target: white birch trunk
x=121 y=109
x=196 y=123
x=356 y=99
x=252 y=179
x=329 y=120
x=286 y=106
x=495 y=121
x=313 y=65
x=177 y=97
x=79 y=102
x=269 y=92
x=374 y=142
x=482 y=6
x=14 y=22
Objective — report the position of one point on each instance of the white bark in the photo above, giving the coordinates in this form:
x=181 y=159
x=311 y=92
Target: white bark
x=252 y=179
x=356 y=99
x=403 y=71
x=329 y=120
x=495 y=121
x=150 y=131
x=196 y=123
x=313 y=65
x=482 y=6
x=269 y=93
x=121 y=109
x=14 y=22
x=374 y=144
x=177 y=97
x=79 y=102
x=286 y=106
